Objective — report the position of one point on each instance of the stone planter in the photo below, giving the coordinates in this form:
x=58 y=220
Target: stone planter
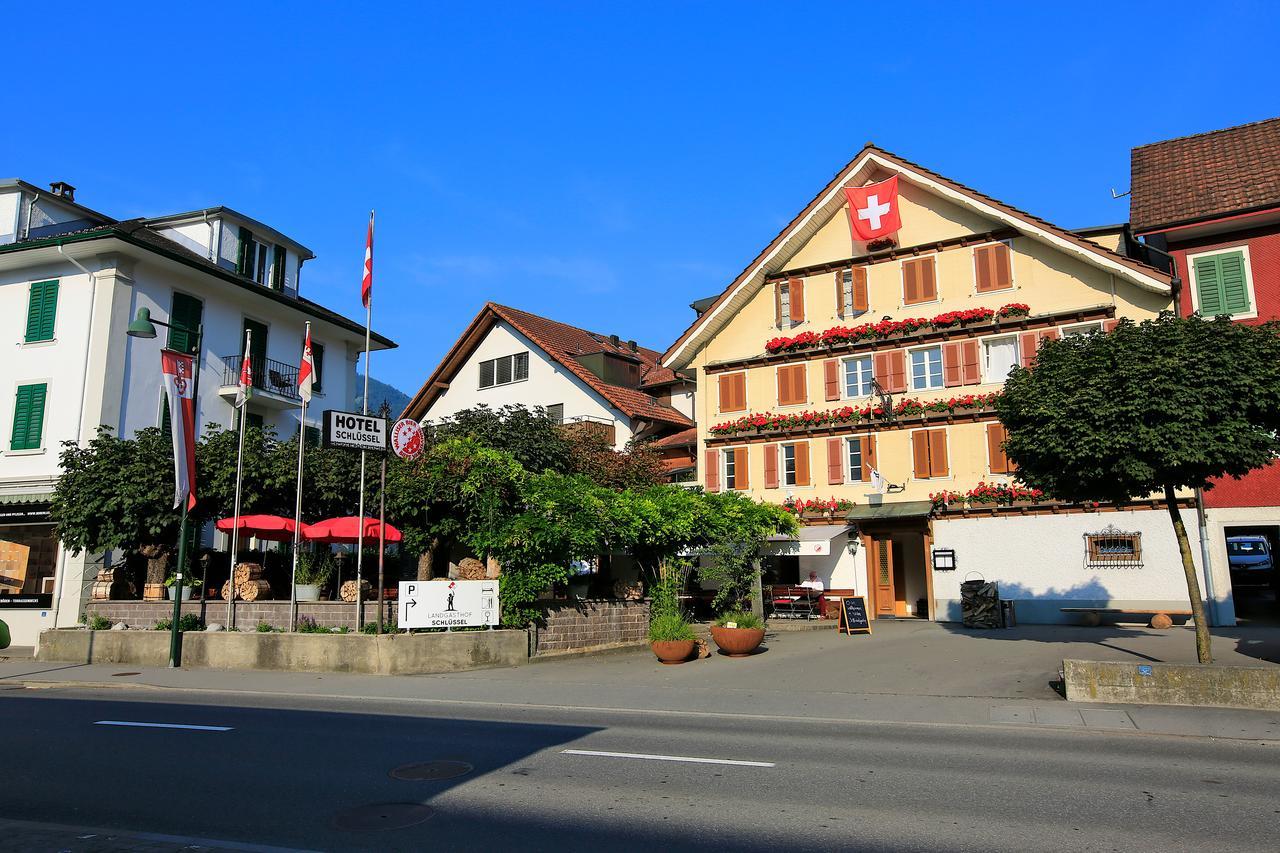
x=186 y=593
x=671 y=652
x=737 y=642
x=306 y=591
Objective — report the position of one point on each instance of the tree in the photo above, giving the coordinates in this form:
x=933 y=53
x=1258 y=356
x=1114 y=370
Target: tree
x=531 y=436
x=591 y=454
x=738 y=528
x=266 y=485
x=1151 y=408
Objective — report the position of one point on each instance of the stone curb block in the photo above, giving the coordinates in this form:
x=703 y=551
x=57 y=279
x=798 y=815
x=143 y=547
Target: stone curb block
x=1250 y=687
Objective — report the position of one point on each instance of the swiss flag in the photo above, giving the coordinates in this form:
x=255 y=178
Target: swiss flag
x=873 y=210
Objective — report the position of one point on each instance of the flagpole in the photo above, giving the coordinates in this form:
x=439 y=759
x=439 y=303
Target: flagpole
x=235 y=517
x=364 y=410
x=297 y=506
x=382 y=527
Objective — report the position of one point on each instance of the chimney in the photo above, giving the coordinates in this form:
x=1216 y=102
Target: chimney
x=614 y=341
x=631 y=345
x=62 y=189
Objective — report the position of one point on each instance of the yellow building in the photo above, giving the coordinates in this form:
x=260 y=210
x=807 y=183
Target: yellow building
x=829 y=360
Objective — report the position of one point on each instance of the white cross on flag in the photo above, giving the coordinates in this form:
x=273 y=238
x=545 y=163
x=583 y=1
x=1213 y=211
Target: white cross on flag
x=873 y=210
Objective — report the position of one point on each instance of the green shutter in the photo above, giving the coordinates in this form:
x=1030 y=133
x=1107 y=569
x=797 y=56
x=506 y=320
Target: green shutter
x=277 y=268
x=166 y=419
x=1235 y=291
x=187 y=312
x=28 y=417
x=317 y=364
x=42 y=308
x=1208 y=287
x=242 y=258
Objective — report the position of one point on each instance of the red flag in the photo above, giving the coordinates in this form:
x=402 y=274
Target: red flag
x=307 y=369
x=873 y=210
x=366 y=285
x=178 y=380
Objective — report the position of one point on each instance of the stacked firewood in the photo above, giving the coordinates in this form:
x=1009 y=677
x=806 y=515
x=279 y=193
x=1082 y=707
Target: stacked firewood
x=348 y=590
x=250 y=585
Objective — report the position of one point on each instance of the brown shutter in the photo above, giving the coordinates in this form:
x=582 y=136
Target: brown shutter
x=1110 y=325
x=784 y=386
x=880 y=368
x=802 y=463
x=771 y=466
x=860 y=289
x=797 y=300
x=1050 y=334
x=938 y=453
x=840 y=294
x=868 y=456
x=928 y=284
x=951 y=375
x=910 y=285
x=835 y=464
x=711 y=470
x=831 y=378
x=792 y=383
x=994 y=271
x=726 y=392
x=1002 y=262
x=1027 y=343
x=777 y=304
x=983 y=270
x=920 y=454
x=971 y=363
x=995 y=452
x=740 y=459
x=897 y=371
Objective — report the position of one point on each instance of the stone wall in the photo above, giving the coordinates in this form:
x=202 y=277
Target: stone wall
x=578 y=625
x=330 y=614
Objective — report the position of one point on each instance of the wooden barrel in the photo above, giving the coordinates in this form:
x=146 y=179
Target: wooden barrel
x=153 y=592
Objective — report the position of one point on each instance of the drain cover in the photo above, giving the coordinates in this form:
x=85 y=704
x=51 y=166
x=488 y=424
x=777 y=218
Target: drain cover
x=118 y=674
x=382 y=816
x=431 y=771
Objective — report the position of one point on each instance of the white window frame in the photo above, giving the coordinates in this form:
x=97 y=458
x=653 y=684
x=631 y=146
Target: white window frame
x=746 y=394
x=1080 y=328
x=788 y=479
x=973 y=263
x=902 y=282
x=845 y=307
x=496 y=384
x=844 y=375
x=1248 y=278
x=911 y=373
x=852 y=475
x=986 y=360
x=726 y=454
x=784 y=306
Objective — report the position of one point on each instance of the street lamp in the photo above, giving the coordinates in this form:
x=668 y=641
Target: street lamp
x=145 y=327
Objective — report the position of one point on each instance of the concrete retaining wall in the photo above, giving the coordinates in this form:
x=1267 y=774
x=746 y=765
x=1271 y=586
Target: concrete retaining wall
x=330 y=614
x=581 y=625
x=1253 y=687
x=390 y=654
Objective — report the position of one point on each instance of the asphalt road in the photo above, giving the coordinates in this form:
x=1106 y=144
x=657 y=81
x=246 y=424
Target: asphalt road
x=288 y=773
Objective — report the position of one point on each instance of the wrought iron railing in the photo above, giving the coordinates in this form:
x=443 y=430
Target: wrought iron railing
x=274 y=377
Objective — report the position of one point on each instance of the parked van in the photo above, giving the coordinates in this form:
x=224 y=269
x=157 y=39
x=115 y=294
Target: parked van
x=1249 y=559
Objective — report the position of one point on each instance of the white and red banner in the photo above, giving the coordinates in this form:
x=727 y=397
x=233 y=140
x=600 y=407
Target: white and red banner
x=179 y=381
x=245 y=388
x=307 y=369
x=873 y=210
x=366 y=283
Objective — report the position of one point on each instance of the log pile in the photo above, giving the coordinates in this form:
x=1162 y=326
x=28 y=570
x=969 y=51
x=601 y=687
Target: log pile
x=348 y=591
x=109 y=587
x=471 y=569
x=250 y=585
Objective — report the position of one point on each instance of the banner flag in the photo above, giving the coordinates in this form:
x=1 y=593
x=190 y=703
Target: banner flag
x=873 y=210
x=179 y=375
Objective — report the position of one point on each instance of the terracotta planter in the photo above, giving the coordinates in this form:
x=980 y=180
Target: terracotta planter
x=672 y=651
x=737 y=642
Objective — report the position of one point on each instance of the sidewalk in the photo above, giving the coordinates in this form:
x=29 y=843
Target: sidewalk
x=911 y=672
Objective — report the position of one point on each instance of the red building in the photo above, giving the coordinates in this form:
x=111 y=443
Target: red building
x=1212 y=202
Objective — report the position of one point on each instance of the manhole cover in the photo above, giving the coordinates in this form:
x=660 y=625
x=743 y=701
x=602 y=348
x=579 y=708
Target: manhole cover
x=431 y=771
x=382 y=816
x=118 y=674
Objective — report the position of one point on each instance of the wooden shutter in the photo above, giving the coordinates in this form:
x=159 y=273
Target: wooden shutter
x=242 y=252
x=860 y=289
x=791 y=385
x=993 y=267
x=840 y=312
x=711 y=470
x=970 y=363
x=28 y=417
x=910 y=283
x=920 y=454
x=802 y=463
x=186 y=312
x=897 y=371
x=740 y=458
x=777 y=303
x=1235 y=288
x=951 y=364
x=995 y=449
x=1027 y=343
x=1050 y=334
x=868 y=456
x=796 y=291
x=733 y=392
x=918 y=283
x=771 y=466
x=1110 y=325
x=42 y=308
x=938 y=453
x=835 y=465
x=831 y=378
x=277 y=267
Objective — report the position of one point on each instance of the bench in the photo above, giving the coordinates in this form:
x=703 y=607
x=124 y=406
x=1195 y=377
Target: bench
x=1159 y=618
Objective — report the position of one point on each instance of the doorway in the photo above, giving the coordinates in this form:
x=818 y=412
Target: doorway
x=898 y=576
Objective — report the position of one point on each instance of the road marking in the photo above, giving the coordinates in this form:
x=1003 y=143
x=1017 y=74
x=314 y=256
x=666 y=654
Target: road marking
x=646 y=756
x=162 y=726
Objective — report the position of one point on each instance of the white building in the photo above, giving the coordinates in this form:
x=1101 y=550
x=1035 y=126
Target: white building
x=71 y=279
x=511 y=357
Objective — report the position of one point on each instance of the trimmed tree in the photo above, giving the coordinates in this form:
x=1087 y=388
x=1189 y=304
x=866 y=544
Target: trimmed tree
x=1151 y=408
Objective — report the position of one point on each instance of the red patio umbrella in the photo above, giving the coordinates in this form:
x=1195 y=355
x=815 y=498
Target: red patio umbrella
x=346 y=530
x=275 y=528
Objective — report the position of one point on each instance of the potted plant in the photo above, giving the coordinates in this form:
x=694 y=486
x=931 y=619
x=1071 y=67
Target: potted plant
x=671 y=638
x=171 y=581
x=738 y=633
x=314 y=571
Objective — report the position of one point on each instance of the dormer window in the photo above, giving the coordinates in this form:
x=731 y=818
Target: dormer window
x=260 y=261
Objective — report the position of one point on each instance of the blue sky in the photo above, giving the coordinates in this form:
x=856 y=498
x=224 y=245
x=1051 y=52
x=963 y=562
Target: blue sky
x=604 y=164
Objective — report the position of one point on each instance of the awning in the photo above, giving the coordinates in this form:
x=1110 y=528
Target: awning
x=25 y=498
x=896 y=511
x=811 y=541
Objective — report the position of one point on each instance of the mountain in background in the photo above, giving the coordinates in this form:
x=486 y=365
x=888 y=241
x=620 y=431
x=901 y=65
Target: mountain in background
x=378 y=392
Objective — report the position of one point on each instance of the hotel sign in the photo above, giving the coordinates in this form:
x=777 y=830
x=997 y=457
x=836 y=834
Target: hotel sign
x=355 y=431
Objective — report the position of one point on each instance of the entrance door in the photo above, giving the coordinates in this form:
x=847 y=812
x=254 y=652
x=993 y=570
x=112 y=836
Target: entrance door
x=882 y=571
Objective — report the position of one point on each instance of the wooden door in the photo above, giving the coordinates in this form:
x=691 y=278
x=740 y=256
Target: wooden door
x=882 y=577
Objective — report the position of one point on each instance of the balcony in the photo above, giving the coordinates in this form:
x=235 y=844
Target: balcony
x=274 y=382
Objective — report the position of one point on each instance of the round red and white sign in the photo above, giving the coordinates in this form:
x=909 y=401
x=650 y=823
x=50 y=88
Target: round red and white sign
x=406 y=438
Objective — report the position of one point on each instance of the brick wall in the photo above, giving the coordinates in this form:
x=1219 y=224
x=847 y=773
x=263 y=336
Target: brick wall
x=584 y=624
x=144 y=614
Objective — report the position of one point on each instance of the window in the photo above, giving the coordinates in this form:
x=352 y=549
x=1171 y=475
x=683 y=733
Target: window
x=857 y=376
x=1112 y=548
x=929 y=453
x=505 y=370
x=278 y=257
x=855 y=458
x=1223 y=284
x=556 y=412
x=795 y=464
x=733 y=392
x=788 y=299
x=997 y=460
x=918 y=282
x=730 y=469
x=42 y=308
x=791 y=385
x=926 y=368
x=1081 y=329
x=1000 y=355
x=317 y=360
x=252 y=259
x=185 y=316
x=846 y=292
x=992 y=268
x=734 y=463
x=28 y=417
x=851 y=291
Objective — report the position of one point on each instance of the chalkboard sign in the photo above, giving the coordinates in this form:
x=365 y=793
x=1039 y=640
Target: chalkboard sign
x=853 y=615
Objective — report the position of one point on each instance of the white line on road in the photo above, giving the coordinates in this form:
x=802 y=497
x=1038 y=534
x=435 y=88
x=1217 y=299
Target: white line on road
x=685 y=758
x=162 y=726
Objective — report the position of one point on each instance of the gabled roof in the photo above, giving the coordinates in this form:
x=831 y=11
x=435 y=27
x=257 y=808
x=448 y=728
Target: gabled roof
x=1179 y=181
x=260 y=229
x=562 y=343
x=829 y=201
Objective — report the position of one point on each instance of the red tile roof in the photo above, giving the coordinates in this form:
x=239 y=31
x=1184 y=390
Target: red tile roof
x=677 y=439
x=1204 y=176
